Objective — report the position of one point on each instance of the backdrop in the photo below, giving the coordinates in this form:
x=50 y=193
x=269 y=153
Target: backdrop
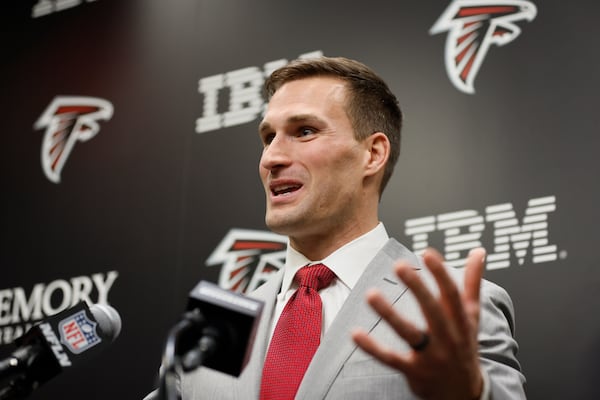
x=130 y=166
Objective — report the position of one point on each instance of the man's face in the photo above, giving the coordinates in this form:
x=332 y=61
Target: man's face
x=312 y=167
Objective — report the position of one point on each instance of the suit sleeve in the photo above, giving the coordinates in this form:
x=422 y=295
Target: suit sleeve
x=497 y=345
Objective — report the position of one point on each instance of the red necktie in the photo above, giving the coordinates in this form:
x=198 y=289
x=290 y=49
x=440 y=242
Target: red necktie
x=296 y=336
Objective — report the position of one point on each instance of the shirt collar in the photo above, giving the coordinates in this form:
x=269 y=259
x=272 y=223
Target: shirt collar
x=348 y=262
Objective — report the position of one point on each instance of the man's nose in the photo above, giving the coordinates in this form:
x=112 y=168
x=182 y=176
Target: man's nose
x=276 y=154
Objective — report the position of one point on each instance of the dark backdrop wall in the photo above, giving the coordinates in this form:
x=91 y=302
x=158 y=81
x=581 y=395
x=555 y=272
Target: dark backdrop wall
x=130 y=157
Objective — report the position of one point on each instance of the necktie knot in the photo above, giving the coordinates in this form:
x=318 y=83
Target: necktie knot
x=316 y=276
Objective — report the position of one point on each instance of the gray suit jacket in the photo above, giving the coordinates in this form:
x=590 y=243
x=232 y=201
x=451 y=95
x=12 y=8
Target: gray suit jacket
x=339 y=370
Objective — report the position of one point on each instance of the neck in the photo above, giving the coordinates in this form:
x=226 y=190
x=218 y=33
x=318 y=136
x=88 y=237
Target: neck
x=320 y=245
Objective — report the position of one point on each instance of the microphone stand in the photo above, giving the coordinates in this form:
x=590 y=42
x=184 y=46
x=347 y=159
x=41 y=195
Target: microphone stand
x=15 y=384
x=184 y=352
x=15 y=389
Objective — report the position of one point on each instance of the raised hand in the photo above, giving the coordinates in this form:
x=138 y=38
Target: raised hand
x=444 y=362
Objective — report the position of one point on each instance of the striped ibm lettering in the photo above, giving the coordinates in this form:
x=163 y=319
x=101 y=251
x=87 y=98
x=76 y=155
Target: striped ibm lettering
x=246 y=101
x=463 y=231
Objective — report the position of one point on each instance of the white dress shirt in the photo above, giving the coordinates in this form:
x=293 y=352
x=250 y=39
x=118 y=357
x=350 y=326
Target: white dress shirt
x=348 y=263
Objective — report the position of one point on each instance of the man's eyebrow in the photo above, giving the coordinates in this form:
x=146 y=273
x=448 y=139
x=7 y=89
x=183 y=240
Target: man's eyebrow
x=303 y=118
x=265 y=126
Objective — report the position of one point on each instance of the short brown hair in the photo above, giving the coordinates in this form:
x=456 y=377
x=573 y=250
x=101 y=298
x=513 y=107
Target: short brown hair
x=372 y=107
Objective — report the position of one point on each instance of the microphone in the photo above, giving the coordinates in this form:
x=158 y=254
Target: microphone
x=226 y=324
x=216 y=331
x=56 y=344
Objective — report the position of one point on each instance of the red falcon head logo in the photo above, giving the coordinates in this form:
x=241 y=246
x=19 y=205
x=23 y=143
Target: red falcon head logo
x=474 y=25
x=248 y=258
x=68 y=119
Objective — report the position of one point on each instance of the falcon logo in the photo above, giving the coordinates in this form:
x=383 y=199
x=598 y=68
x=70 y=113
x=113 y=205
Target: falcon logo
x=249 y=257
x=67 y=120
x=474 y=25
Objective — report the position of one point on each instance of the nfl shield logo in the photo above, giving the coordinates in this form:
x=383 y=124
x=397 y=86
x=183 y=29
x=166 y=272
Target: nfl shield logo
x=78 y=332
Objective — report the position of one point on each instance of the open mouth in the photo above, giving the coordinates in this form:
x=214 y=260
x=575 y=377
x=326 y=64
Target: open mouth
x=282 y=190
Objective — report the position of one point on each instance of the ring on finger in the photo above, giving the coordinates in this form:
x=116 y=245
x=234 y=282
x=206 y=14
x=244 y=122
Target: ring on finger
x=422 y=344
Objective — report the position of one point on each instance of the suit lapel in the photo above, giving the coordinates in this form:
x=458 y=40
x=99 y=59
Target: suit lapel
x=251 y=376
x=337 y=345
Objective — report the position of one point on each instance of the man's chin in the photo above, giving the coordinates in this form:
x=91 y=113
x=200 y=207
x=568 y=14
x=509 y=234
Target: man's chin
x=281 y=225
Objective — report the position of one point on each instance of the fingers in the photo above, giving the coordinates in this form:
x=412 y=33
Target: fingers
x=382 y=353
x=433 y=313
x=451 y=301
x=411 y=334
x=451 y=317
x=445 y=355
x=462 y=310
x=473 y=274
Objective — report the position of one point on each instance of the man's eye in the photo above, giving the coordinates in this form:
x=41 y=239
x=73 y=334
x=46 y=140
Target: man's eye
x=306 y=131
x=267 y=139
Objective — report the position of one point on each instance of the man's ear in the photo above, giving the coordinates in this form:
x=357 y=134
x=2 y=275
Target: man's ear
x=378 y=146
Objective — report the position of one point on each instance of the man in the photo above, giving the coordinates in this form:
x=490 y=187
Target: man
x=331 y=138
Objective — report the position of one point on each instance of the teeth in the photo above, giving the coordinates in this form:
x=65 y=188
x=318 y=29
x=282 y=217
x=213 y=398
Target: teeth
x=284 y=189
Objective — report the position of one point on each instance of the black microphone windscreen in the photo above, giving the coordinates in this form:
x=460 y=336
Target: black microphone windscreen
x=66 y=339
x=235 y=317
